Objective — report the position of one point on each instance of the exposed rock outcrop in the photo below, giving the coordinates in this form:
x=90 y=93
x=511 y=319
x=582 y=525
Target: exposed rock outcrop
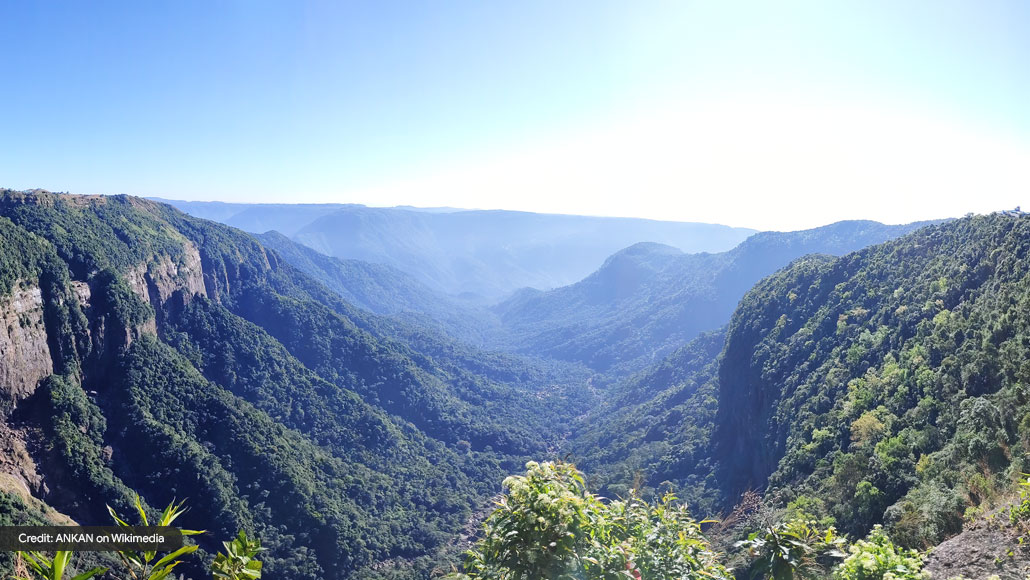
x=158 y=281
x=82 y=292
x=989 y=547
x=16 y=462
x=24 y=352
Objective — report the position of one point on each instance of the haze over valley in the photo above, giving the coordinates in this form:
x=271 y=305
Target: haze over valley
x=580 y=290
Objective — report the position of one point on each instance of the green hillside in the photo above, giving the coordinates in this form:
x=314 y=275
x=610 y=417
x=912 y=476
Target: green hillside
x=889 y=383
x=385 y=290
x=885 y=387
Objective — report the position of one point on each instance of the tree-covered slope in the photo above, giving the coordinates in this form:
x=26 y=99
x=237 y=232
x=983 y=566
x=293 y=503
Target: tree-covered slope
x=649 y=299
x=656 y=427
x=886 y=385
x=150 y=351
x=412 y=372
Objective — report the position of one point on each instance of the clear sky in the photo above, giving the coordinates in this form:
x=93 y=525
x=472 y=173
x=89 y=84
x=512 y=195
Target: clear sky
x=774 y=115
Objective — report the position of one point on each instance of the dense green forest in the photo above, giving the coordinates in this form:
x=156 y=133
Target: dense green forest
x=869 y=403
x=887 y=385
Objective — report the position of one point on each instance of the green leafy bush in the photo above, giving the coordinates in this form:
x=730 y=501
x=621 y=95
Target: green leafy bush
x=239 y=561
x=142 y=565
x=877 y=558
x=793 y=549
x=549 y=526
x=925 y=516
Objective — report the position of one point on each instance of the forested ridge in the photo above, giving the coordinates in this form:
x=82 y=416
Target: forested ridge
x=888 y=384
x=881 y=394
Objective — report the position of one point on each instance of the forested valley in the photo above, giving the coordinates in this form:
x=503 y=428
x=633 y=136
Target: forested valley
x=800 y=405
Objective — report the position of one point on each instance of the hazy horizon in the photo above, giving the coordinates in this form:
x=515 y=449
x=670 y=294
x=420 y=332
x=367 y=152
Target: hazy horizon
x=449 y=209
x=768 y=117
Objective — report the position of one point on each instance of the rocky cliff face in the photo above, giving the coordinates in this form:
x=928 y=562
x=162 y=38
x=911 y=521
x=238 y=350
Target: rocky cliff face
x=165 y=281
x=18 y=471
x=749 y=433
x=24 y=351
x=25 y=361
x=26 y=338
x=68 y=314
x=158 y=281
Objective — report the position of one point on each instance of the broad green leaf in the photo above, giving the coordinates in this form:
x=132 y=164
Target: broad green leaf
x=180 y=552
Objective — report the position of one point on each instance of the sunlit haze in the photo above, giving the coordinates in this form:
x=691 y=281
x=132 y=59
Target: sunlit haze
x=737 y=113
x=769 y=166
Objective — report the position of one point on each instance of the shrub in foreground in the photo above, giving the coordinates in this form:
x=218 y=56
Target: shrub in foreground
x=548 y=526
x=877 y=558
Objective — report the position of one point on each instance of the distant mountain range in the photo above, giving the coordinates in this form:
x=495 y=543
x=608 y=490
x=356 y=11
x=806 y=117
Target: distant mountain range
x=640 y=305
x=648 y=299
x=481 y=255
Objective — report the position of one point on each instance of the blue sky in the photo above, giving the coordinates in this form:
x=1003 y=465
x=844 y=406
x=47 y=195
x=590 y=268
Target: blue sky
x=770 y=115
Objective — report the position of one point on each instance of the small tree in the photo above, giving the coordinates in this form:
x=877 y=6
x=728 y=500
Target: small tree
x=1019 y=514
